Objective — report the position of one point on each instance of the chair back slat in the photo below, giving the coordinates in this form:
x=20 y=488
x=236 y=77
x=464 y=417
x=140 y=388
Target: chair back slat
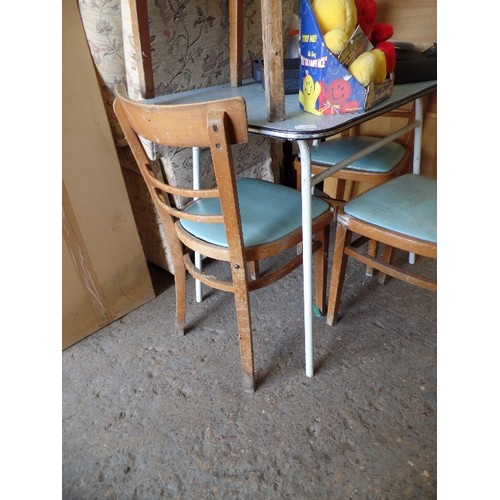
x=162 y=124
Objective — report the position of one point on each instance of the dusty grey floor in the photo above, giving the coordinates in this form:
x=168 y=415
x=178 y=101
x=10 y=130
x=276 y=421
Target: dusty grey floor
x=149 y=415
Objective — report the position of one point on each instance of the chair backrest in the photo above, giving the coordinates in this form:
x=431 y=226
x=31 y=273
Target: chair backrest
x=217 y=125
x=186 y=125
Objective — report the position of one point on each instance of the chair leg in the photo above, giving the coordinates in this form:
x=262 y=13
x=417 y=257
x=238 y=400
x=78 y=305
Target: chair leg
x=179 y=275
x=180 y=301
x=387 y=258
x=340 y=189
x=372 y=252
x=254 y=269
x=321 y=266
x=298 y=179
x=242 y=302
x=342 y=239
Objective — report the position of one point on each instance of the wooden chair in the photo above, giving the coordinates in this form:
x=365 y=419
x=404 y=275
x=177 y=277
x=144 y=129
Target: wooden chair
x=378 y=167
x=400 y=214
x=391 y=160
x=239 y=221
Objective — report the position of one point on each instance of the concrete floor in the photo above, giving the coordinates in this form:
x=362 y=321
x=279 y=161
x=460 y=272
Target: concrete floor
x=149 y=415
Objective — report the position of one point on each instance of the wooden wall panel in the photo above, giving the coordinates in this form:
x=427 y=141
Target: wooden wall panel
x=413 y=20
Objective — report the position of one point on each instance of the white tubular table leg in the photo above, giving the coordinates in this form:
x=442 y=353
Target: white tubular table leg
x=305 y=162
x=417 y=149
x=196 y=185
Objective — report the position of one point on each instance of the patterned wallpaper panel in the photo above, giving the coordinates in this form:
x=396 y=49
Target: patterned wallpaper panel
x=190 y=40
x=103 y=27
x=190 y=49
x=189 y=43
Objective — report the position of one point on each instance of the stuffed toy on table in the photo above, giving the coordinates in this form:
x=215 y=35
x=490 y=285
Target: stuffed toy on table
x=338 y=19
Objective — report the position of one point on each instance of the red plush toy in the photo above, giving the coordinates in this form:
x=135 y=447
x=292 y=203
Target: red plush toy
x=377 y=33
x=390 y=55
x=380 y=33
x=367 y=13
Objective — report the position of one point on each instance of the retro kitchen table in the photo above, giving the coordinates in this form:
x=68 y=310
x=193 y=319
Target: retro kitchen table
x=304 y=128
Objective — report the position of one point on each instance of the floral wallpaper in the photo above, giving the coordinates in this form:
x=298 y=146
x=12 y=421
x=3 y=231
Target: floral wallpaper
x=189 y=43
x=103 y=27
x=190 y=49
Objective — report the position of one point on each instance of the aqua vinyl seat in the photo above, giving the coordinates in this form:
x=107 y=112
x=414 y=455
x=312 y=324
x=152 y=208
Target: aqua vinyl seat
x=382 y=160
x=407 y=205
x=387 y=162
x=402 y=213
x=269 y=212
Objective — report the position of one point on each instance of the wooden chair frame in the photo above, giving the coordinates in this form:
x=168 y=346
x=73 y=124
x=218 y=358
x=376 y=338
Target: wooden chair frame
x=217 y=125
x=345 y=247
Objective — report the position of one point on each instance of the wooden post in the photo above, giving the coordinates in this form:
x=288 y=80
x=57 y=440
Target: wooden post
x=140 y=31
x=236 y=42
x=272 y=48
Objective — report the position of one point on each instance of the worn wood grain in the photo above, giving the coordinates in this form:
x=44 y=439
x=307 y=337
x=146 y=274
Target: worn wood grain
x=236 y=42
x=140 y=30
x=272 y=48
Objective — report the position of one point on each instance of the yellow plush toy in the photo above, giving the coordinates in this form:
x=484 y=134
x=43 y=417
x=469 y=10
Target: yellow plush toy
x=369 y=67
x=381 y=73
x=364 y=68
x=337 y=21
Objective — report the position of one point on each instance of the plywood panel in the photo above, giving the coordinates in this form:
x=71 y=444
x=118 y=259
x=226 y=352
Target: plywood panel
x=79 y=317
x=105 y=274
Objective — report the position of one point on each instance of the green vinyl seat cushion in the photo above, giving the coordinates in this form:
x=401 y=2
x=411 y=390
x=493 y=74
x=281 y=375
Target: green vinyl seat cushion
x=382 y=160
x=268 y=212
x=406 y=205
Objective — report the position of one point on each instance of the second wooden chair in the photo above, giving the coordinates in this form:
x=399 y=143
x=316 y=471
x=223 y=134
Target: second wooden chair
x=385 y=163
x=402 y=213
